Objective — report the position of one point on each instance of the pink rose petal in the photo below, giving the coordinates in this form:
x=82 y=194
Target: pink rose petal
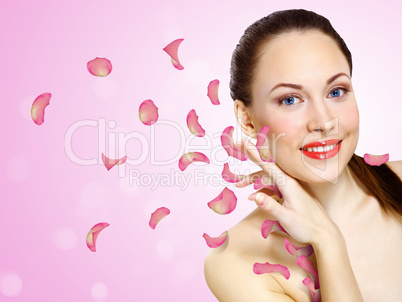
x=176 y=64
x=266 y=268
x=191 y=157
x=298 y=250
x=224 y=203
x=172 y=49
x=215 y=242
x=229 y=176
x=38 y=108
x=376 y=160
x=305 y=264
x=99 y=67
x=262 y=145
x=93 y=235
x=315 y=293
x=263 y=182
x=227 y=144
x=110 y=163
x=148 y=112
x=213 y=92
x=269 y=226
x=193 y=125
x=157 y=216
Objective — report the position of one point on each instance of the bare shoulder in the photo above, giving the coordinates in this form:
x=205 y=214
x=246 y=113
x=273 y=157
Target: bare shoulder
x=229 y=268
x=396 y=166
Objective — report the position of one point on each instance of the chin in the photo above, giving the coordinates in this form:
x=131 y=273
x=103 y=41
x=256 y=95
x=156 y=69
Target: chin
x=314 y=171
x=318 y=171
x=327 y=171
x=323 y=178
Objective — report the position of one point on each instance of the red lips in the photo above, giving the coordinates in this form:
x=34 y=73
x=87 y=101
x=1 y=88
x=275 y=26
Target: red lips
x=324 y=154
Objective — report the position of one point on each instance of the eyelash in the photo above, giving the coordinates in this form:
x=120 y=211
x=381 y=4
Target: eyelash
x=281 y=100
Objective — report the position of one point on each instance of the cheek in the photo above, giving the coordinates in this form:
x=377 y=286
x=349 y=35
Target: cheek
x=350 y=119
x=284 y=135
x=279 y=124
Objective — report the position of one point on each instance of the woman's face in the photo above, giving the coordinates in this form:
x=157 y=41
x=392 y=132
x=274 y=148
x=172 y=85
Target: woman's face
x=303 y=92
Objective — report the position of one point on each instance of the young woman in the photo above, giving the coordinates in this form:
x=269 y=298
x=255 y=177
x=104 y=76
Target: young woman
x=292 y=72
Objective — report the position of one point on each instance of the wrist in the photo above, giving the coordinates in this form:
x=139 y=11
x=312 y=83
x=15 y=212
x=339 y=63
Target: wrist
x=329 y=239
x=337 y=279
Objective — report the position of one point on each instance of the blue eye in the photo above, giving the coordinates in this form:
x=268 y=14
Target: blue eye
x=288 y=101
x=336 y=93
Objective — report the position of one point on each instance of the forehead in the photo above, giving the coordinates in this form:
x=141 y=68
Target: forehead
x=300 y=58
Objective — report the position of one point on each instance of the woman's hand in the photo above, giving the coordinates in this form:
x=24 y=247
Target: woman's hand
x=303 y=217
x=300 y=214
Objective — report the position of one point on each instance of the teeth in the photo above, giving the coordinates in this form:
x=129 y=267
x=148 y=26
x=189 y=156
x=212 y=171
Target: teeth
x=321 y=148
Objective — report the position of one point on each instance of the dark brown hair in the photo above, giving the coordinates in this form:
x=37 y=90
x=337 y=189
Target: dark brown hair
x=381 y=182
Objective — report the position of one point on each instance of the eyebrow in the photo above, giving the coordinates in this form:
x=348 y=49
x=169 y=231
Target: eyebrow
x=295 y=86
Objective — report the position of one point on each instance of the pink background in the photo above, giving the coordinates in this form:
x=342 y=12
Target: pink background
x=50 y=199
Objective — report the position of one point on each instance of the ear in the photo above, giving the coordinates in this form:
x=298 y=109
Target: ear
x=245 y=119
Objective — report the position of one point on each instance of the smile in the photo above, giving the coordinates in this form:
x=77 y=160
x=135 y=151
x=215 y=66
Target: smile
x=322 y=150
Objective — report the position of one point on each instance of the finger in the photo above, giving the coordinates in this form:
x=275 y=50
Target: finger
x=266 y=191
x=270 y=205
x=279 y=177
x=254 y=153
x=249 y=179
x=239 y=146
x=262 y=145
x=271 y=168
x=251 y=150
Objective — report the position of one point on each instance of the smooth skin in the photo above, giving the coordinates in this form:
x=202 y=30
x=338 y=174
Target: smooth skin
x=357 y=246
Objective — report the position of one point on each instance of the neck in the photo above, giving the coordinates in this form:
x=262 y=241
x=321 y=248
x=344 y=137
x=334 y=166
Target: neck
x=338 y=199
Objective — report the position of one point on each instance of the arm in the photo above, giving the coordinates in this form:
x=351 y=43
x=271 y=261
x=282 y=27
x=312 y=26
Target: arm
x=337 y=280
x=229 y=279
x=304 y=218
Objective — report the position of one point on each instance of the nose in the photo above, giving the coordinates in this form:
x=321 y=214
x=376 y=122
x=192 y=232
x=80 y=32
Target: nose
x=320 y=118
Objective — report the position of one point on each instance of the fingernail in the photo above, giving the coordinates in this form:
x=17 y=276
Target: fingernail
x=252 y=196
x=260 y=200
